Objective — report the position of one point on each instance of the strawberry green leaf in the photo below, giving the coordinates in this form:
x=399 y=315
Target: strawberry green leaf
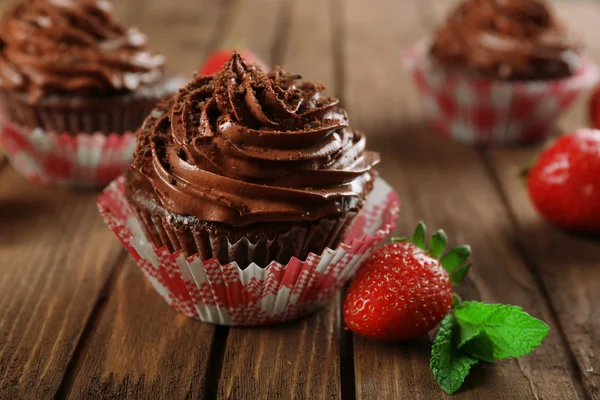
x=480 y=347
x=459 y=275
x=399 y=239
x=418 y=238
x=449 y=365
x=512 y=331
x=437 y=244
x=456 y=258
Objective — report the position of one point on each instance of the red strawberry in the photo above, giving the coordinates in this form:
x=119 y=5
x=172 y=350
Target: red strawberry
x=595 y=108
x=564 y=183
x=403 y=291
x=215 y=61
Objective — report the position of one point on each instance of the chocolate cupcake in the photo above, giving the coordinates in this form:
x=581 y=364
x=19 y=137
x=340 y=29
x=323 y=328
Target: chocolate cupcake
x=507 y=40
x=499 y=71
x=68 y=69
x=249 y=166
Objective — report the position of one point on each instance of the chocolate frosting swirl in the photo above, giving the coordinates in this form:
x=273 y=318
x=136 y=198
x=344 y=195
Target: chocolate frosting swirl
x=506 y=39
x=244 y=146
x=72 y=46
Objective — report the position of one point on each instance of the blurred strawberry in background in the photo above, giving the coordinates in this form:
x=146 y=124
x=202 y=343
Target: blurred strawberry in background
x=564 y=182
x=215 y=61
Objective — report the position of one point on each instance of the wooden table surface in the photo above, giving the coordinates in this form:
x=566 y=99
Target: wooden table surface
x=77 y=319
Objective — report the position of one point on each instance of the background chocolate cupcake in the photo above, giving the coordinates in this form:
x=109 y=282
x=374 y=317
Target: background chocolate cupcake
x=500 y=72
x=249 y=166
x=508 y=40
x=69 y=68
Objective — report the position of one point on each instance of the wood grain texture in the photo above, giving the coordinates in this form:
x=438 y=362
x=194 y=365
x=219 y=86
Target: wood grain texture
x=137 y=346
x=77 y=321
x=567 y=265
x=55 y=258
x=447 y=185
x=140 y=348
x=258 y=25
x=185 y=31
x=298 y=360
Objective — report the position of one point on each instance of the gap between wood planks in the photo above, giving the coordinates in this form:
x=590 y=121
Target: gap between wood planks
x=429 y=17
x=575 y=370
x=220 y=335
x=3 y=162
x=347 y=368
x=116 y=269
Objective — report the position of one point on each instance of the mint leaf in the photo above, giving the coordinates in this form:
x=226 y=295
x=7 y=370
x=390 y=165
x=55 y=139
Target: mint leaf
x=449 y=365
x=480 y=347
x=513 y=332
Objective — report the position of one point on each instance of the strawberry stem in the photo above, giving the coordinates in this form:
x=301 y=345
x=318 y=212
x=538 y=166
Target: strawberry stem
x=456 y=300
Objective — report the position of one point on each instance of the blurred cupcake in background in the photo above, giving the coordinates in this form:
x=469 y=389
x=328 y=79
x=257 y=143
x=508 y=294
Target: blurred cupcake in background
x=499 y=72
x=251 y=200
x=74 y=86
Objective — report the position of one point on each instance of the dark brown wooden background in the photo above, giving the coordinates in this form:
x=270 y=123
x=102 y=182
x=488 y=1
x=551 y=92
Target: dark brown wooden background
x=77 y=320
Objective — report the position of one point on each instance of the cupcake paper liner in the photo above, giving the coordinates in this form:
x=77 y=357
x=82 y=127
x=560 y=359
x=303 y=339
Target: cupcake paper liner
x=493 y=111
x=226 y=294
x=84 y=159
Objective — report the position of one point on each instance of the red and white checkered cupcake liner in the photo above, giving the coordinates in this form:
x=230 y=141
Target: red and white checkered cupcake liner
x=229 y=295
x=493 y=111
x=84 y=159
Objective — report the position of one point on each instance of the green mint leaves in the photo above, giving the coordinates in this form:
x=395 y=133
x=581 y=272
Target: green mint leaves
x=450 y=366
x=481 y=332
x=513 y=332
x=472 y=332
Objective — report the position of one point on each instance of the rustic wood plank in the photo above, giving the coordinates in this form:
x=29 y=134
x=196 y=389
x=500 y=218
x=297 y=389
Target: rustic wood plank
x=565 y=264
x=258 y=25
x=297 y=360
x=140 y=348
x=568 y=266
x=301 y=359
x=185 y=34
x=49 y=282
x=447 y=185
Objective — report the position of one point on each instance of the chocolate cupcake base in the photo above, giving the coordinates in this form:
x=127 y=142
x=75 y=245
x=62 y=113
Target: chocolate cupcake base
x=258 y=243
x=118 y=113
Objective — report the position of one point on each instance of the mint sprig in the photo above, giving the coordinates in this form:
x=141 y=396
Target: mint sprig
x=450 y=366
x=472 y=332
x=513 y=332
x=476 y=332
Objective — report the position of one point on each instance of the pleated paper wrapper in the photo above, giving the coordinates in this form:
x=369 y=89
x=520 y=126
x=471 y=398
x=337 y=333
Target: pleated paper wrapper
x=229 y=295
x=488 y=112
x=64 y=159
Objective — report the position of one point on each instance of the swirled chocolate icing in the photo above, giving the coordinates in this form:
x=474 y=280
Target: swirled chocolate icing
x=506 y=39
x=72 y=46
x=245 y=146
